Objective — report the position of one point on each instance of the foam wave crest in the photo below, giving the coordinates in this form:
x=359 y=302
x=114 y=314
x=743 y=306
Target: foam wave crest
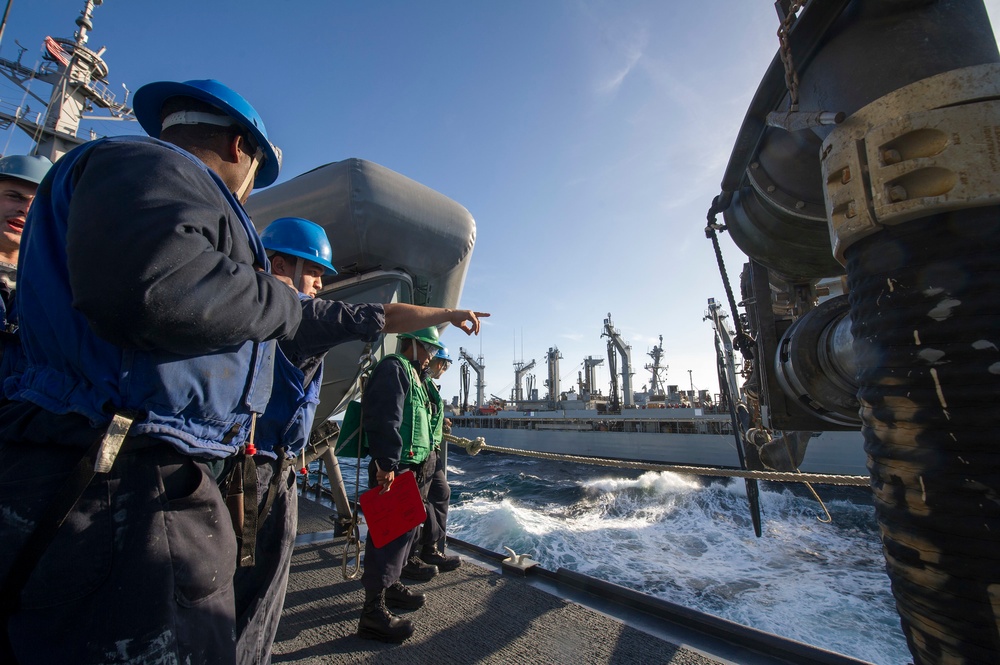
x=690 y=541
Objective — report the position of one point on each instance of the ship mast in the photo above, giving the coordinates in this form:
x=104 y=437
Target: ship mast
x=656 y=388
x=78 y=77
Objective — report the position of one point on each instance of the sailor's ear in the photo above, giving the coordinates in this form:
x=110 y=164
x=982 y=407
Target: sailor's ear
x=233 y=148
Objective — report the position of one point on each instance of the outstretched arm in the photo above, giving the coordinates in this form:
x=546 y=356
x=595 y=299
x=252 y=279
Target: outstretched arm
x=401 y=317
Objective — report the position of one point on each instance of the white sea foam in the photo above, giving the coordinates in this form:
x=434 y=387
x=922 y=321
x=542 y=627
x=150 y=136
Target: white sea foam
x=690 y=541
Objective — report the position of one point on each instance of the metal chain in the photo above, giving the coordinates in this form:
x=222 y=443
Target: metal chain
x=743 y=342
x=774 y=476
x=785 y=51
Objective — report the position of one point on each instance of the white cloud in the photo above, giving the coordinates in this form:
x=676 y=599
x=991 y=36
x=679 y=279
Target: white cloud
x=611 y=85
x=631 y=51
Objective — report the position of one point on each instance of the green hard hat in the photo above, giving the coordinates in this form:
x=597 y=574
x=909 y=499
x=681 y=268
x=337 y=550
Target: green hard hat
x=425 y=335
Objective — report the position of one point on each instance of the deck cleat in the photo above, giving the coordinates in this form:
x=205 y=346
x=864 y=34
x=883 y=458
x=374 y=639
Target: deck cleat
x=518 y=564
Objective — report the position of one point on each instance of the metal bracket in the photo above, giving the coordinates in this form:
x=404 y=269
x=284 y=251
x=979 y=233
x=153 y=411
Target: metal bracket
x=927 y=148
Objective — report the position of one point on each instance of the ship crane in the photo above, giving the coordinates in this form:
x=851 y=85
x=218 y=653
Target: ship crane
x=728 y=383
x=656 y=387
x=552 y=383
x=464 y=371
x=616 y=342
x=588 y=384
x=479 y=368
x=78 y=77
x=732 y=396
x=520 y=369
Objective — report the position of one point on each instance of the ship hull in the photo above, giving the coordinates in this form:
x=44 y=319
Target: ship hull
x=840 y=453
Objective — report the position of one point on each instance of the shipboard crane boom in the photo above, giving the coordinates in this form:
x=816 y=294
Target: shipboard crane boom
x=732 y=395
x=590 y=377
x=520 y=369
x=616 y=342
x=552 y=383
x=479 y=368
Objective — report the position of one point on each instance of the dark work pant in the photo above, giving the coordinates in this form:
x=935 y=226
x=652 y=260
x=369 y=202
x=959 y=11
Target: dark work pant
x=140 y=572
x=260 y=589
x=436 y=499
x=384 y=564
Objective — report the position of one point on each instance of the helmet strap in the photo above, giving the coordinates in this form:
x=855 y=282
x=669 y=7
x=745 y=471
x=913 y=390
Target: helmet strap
x=248 y=180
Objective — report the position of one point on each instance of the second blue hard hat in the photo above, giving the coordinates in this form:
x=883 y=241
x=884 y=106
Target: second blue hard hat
x=443 y=354
x=149 y=99
x=30 y=168
x=299 y=237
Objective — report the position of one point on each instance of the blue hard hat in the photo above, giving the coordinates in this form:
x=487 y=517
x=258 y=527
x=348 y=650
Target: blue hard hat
x=148 y=102
x=443 y=354
x=24 y=167
x=299 y=237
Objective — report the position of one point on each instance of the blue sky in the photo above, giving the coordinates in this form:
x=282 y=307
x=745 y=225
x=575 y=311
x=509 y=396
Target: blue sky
x=586 y=138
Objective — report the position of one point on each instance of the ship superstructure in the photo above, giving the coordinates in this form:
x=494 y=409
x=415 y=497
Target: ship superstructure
x=78 y=78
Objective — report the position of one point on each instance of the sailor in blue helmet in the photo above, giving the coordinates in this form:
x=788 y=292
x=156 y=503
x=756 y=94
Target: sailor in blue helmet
x=19 y=178
x=301 y=255
x=147 y=319
x=428 y=545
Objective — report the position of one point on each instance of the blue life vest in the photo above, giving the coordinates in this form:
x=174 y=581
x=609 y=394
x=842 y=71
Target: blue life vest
x=288 y=419
x=200 y=404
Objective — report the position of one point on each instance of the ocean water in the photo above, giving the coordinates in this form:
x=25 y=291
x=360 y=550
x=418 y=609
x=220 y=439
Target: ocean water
x=689 y=540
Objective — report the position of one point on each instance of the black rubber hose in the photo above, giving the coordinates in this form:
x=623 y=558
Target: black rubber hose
x=925 y=304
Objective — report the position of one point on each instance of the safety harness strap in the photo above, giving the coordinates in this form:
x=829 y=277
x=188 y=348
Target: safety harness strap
x=248 y=537
x=272 y=488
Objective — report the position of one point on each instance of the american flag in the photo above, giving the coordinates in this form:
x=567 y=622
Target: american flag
x=56 y=51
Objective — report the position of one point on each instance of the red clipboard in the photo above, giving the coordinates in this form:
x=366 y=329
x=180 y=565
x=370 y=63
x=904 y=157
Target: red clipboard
x=391 y=514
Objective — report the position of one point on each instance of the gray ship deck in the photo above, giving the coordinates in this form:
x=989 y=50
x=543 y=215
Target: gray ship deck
x=476 y=614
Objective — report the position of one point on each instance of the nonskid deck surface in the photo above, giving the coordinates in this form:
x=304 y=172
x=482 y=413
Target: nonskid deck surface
x=472 y=615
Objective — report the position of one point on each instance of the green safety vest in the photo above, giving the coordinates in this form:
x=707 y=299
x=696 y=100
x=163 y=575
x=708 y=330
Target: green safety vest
x=437 y=413
x=415 y=430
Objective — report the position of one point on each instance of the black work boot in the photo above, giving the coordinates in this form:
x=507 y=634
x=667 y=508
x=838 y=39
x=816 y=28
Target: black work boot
x=431 y=554
x=401 y=597
x=378 y=623
x=415 y=569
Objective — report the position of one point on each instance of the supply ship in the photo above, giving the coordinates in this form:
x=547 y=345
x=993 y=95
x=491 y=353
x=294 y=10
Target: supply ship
x=660 y=424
